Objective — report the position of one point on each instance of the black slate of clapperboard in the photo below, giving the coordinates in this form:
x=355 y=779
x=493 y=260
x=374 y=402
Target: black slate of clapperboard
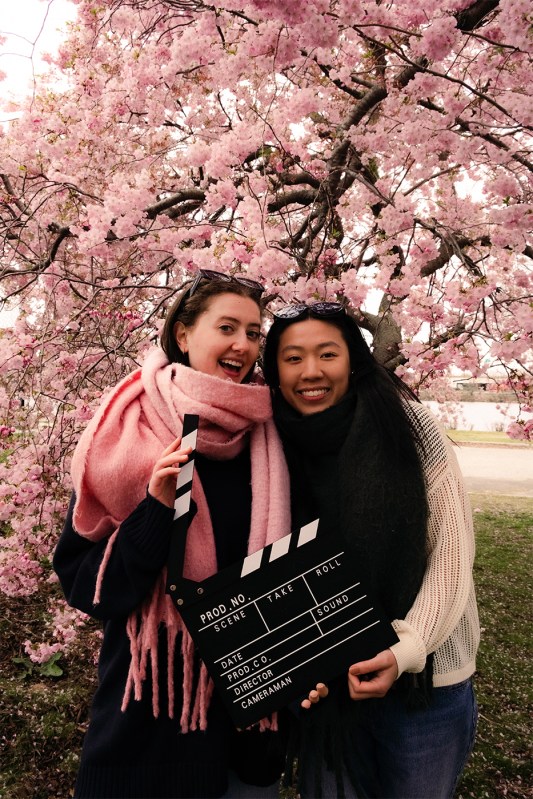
x=271 y=626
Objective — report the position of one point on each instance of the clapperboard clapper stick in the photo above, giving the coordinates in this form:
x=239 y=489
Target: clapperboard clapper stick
x=177 y=586
x=271 y=626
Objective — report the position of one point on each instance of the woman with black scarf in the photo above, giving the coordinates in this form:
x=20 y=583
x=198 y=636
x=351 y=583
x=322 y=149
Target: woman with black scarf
x=366 y=458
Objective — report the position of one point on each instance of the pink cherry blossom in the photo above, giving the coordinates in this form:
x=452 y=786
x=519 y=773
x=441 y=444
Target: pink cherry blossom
x=375 y=152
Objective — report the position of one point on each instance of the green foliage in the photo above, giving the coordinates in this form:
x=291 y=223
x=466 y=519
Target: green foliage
x=49 y=668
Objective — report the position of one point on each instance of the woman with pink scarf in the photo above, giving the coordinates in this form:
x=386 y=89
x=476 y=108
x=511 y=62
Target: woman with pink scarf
x=157 y=728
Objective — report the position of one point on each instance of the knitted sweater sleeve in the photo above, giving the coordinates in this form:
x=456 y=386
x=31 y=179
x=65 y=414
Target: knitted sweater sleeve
x=443 y=595
x=138 y=554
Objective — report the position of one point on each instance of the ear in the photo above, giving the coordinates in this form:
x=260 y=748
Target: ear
x=180 y=335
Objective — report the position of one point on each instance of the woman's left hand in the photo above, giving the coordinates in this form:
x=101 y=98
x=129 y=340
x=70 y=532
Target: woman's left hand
x=372 y=678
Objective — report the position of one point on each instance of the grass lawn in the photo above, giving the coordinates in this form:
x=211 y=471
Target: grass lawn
x=501 y=761
x=43 y=717
x=483 y=437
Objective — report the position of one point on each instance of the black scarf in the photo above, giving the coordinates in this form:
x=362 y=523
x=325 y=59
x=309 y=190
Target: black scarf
x=342 y=472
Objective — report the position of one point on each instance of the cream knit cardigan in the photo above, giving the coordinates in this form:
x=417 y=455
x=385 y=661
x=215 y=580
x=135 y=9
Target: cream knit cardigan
x=443 y=618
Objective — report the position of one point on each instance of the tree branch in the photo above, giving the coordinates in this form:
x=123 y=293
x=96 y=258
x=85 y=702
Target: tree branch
x=198 y=195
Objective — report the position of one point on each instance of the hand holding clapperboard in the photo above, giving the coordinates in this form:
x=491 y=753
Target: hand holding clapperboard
x=272 y=625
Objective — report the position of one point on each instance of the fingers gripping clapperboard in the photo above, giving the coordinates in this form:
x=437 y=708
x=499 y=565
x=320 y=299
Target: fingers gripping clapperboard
x=272 y=625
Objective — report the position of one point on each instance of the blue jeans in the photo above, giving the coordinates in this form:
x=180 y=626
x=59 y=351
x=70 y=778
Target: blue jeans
x=412 y=755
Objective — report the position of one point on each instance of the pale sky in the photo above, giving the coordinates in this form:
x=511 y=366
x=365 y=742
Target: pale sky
x=30 y=28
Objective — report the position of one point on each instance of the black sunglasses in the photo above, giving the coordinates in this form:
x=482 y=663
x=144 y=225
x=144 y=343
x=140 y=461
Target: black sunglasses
x=319 y=309
x=211 y=274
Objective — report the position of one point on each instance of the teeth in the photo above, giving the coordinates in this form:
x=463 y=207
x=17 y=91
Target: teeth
x=316 y=392
x=237 y=364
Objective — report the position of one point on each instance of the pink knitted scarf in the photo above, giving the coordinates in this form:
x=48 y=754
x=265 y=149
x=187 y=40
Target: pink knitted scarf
x=111 y=468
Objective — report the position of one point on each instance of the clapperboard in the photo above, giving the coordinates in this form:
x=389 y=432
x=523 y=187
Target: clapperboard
x=272 y=625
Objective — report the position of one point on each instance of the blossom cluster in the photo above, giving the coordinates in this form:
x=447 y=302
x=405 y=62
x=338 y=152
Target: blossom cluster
x=374 y=153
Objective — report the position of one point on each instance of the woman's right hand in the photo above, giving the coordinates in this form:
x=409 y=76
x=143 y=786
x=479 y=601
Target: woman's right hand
x=162 y=485
x=320 y=692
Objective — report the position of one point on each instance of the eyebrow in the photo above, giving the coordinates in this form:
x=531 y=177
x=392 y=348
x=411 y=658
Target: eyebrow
x=319 y=347
x=238 y=321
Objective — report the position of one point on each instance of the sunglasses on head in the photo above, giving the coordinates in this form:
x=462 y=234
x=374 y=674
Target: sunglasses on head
x=211 y=274
x=321 y=310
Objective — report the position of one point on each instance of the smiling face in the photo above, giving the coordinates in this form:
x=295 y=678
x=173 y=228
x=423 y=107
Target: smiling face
x=313 y=365
x=224 y=340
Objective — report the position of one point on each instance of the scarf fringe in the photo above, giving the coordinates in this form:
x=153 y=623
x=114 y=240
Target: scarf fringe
x=143 y=634
x=105 y=560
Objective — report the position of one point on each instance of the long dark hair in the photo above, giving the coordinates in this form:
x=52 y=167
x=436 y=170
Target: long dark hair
x=387 y=394
x=187 y=309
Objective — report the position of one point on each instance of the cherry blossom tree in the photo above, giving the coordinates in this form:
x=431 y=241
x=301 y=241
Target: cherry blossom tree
x=370 y=152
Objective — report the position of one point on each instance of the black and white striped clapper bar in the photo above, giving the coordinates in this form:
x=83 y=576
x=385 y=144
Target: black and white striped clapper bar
x=184 y=482
x=272 y=625
x=182 y=510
